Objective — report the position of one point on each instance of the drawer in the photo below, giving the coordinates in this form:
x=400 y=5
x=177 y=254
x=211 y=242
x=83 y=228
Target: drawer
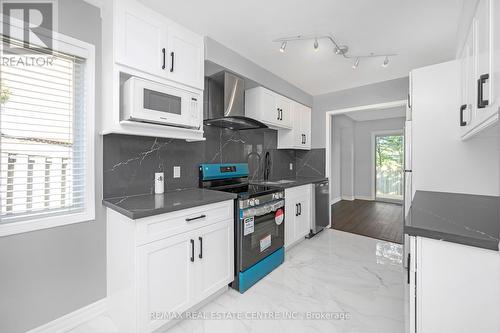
x=152 y=228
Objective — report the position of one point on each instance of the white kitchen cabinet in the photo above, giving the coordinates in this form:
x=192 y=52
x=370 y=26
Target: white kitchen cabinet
x=297 y=214
x=151 y=43
x=167 y=263
x=185 y=56
x=141 y=38
x=215 y=258
x=158 y=289
x=479 y=102
x=453 y=287
x=299 y=136
x=268 y=107
x=140 y=42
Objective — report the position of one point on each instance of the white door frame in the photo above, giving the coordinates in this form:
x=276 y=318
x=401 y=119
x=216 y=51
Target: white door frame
x=374 y=172
x=328 y=136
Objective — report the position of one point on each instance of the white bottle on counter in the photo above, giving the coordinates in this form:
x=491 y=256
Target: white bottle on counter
x=159 y=183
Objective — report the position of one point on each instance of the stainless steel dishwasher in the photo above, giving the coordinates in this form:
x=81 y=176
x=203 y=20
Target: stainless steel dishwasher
x=321 y=204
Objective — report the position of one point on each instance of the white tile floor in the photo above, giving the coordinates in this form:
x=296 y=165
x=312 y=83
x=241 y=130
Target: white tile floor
x=334 y=273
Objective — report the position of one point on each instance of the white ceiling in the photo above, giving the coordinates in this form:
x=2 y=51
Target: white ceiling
x=376 y=114
x=422 y=32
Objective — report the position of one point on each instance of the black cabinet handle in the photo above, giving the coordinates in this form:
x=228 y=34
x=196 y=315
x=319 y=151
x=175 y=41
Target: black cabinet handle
x=481 y=103
x=201 y=247
x=300 y=208
x=462 y=109
x=408 y=262
x=296 y=209
x=278 y=109
x=163 y=52
x=195 y=218
x=172 y=59
x=281 y=114
x=192 y=250
x=305 y=139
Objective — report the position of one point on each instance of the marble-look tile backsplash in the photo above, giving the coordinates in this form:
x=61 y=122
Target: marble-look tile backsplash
x=130 y=161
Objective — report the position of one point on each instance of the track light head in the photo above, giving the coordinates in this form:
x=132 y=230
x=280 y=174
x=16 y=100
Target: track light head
x=356 y=64
x=386 y=62
x=283 y=47
x=316 y=44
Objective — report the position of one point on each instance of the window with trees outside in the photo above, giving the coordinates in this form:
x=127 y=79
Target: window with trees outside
x=46 y=129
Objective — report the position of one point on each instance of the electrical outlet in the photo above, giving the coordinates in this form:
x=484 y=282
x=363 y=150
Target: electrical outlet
x=177 y=172
x=291 y=166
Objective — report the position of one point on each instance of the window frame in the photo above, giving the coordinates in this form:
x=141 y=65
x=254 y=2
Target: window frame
x=69 y=45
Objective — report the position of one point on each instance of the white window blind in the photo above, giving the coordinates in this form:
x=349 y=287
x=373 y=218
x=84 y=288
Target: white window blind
x=42 y=144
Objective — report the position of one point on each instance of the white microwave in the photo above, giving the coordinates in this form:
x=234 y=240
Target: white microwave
x=152 y=102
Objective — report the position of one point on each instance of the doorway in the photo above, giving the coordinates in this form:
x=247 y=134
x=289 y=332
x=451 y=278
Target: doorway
x=365 y=150
x=389 y=164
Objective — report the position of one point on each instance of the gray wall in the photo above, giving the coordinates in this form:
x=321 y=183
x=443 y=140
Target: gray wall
x=363 y=149
x=48 y=273
x=381 y=92
x=219 y=54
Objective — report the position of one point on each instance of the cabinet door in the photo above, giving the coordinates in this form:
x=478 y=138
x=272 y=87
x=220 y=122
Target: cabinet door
x=468 y=84
x=303 y=222
x=268 y=111
x=141 y=39
x=164 y=278
x=297 y=132
x=291 y=210
x=305 y=121
x=215 y=258
x=284 y=105
x=185 y=57
x=484 y=71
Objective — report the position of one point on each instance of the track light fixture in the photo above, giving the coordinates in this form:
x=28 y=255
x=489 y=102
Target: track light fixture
x=283 y=47
x=341 y=50
x=356 y=64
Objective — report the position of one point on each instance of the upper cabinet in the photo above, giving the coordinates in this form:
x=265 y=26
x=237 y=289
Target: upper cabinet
x=140 y=42
x=151 y=43
x=479 y=108
x=141 y=38
x=299 y=136
x=291 y=119
x=185 y=56
x=268 y=107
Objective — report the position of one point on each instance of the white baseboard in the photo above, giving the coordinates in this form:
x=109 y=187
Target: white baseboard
x=335 y=200
x=73 y=319
x=362 y=197
x=350 y=198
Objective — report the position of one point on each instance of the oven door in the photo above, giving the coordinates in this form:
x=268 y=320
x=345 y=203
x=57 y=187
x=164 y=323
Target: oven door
x=261 y=232
x=159 y=103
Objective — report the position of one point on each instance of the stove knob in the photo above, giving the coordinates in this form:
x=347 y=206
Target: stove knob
x=251 y=202
x=256 y=201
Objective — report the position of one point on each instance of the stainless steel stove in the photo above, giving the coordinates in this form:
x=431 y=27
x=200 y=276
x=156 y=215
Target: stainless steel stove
x=259 y=227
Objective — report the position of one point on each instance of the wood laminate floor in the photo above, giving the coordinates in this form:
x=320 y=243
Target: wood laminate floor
x=369 y=218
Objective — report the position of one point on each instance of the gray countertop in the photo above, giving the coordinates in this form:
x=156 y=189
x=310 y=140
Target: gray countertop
x=139 y=206
x=460 y=218
x=290 y=182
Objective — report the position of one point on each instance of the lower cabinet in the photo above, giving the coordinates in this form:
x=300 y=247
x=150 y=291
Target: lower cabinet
x=452 y=287
x=297 y=214
x=150 y=282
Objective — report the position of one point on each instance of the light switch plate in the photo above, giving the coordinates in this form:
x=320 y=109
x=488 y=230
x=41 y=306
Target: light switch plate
x=291 y=166
x=177 y=172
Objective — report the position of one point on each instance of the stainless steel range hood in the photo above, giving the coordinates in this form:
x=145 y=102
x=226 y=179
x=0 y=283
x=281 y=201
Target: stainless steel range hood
x=224 y=103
